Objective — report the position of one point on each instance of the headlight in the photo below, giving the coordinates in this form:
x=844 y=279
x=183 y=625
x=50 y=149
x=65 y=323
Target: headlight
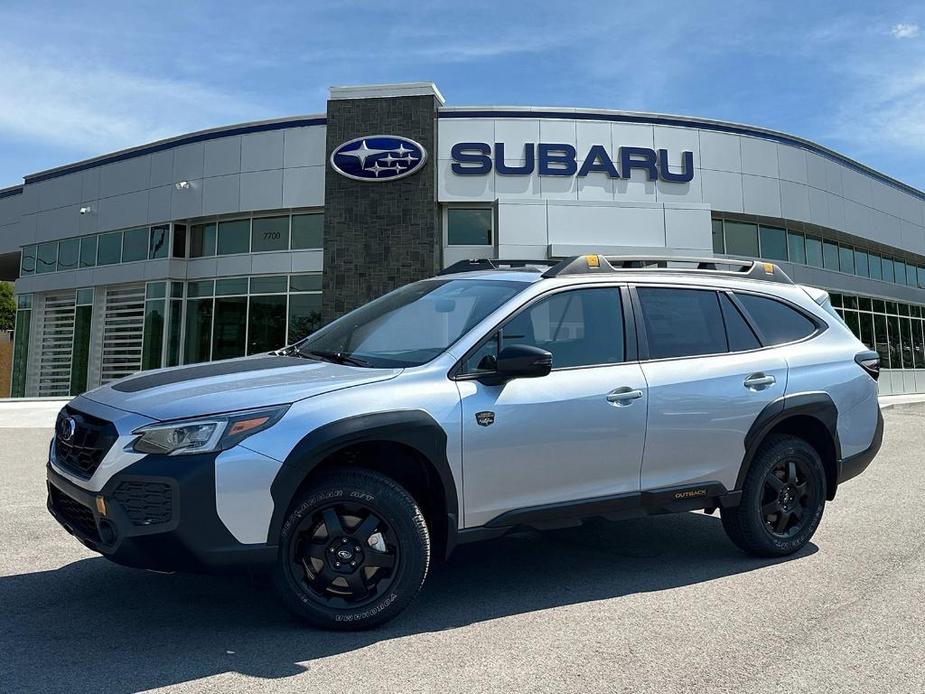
x=204 y=434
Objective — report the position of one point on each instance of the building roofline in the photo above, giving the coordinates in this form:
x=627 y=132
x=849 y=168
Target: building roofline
x=10 y=192
x=647 y=118
x=170 y=142
x=384 y=91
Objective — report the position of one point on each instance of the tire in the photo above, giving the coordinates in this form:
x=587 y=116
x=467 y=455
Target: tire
x=783 y=498
x=354 y=551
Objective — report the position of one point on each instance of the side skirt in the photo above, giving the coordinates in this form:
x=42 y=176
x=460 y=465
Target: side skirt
x=707 y=495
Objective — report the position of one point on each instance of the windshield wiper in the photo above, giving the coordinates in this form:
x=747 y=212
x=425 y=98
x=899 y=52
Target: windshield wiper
x=336 y=357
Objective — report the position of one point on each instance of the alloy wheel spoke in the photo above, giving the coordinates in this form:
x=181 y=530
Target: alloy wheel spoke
x=315 y=550
x=782 y=520
x=332 y=523
x=792 y=472
x=770 y=507
x=775 y=483
x=379 y=559
x=366 y=528
x=357 y=584
x=323 y=579
x=797 y=512
x=802 y=489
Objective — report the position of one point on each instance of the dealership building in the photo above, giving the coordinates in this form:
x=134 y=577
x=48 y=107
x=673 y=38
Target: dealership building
x=244 y=238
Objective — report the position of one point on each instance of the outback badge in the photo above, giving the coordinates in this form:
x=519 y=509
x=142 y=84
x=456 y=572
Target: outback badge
x=484 y=419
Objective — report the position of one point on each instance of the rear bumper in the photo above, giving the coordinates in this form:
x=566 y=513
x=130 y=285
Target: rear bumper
x=856 y=464
x=158 y=513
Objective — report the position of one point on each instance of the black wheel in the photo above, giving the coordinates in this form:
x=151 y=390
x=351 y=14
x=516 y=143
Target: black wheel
x=782 y=499
x=354 y=551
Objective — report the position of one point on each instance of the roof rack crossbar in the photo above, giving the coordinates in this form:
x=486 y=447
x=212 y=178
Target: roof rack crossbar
x=595 y=264
x=476 y=264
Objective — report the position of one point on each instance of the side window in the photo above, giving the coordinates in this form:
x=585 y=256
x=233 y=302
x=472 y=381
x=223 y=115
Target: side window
x=583 y=327
x=776 y=320
x=682 y=322
x=741 y=337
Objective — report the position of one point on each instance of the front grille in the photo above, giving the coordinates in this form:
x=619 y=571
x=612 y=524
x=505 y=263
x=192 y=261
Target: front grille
x=83 y=452
x=74 y=514
x=145 y=503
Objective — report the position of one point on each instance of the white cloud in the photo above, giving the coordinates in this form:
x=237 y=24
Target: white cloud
x=905 y=31
x=92 y=109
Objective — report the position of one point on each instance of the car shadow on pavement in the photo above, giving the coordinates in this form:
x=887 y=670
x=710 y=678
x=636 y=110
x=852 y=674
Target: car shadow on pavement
x=92 y=625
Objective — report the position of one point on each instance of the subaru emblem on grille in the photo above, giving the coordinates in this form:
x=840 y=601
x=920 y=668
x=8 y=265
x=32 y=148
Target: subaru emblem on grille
x=67 y=427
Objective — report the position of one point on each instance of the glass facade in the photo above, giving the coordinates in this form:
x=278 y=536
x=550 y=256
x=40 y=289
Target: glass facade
x=21 y=331
x=80 y=355
x=895 y=330
x=469 y=226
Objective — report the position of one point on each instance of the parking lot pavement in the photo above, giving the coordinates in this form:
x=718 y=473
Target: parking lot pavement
x=655 y=605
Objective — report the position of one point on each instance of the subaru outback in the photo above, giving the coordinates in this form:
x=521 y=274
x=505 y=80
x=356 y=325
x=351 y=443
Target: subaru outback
x=497 y=396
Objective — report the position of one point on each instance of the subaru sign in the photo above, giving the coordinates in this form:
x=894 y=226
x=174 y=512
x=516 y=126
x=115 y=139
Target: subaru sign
x=378 y=158
x=559 y=159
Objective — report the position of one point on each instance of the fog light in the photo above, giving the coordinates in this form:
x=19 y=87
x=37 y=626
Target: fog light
x=101 y=505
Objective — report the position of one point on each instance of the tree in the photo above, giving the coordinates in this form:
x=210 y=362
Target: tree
x=7 y=306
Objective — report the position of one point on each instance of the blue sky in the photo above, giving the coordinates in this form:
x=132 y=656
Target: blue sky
x=82 y=79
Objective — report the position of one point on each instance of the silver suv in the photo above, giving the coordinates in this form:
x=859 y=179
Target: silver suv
x=496 y=396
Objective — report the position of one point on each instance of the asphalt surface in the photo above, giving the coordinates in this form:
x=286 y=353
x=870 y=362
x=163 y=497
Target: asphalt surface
x=657 y=605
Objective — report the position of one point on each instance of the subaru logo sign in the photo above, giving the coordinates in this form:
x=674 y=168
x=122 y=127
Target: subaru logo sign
x=378 y=158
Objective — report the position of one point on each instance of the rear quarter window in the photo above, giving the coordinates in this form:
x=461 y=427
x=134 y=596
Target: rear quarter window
x=778 y=322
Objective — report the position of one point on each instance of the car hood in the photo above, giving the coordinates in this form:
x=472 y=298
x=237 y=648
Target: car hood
x=234 y=384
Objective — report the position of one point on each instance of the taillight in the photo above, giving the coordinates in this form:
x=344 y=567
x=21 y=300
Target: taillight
x=870 y=362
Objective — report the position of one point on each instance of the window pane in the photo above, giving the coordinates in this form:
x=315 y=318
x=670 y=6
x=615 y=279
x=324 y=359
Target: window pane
x=304 y=315
x=201 y=240
x=266 y=325
x=230 y=323
x=179 y=241
x=307 y=230
x=918 y=357
x=68 y=254
x=851 y=320
x=200 y=288
x=921 y=277
x=875 y=266
x=135 y=245
x=20 y=352
x=682 y=322
x=773 y=243
x=887 y=266
x=846 y=259
x=580 y=328
x=860 y=263
x=830 y=255
x=777 y=321
x=88 y=251
x=718 y=246
x=234 y=237
x=910 y=276
x=905 y=329
x=80 y=353
x=468 y=227
x=110 y=249
x=85 y=296
x=796 y=248
x=881 y=340
x=174 y=323
x=272 y=284
x=851 y=301
x=27 y=262
x=159 y=244
x=233 y=285
x=46 y=258
x=899 y=271
x=741 y=239
x=813 y=251
x=198 y=331
x=156 y=290
x=270 y=234
x=305 y=283
x=738 y=333
x=904 y=309
x=867 y=330
x=153 y=345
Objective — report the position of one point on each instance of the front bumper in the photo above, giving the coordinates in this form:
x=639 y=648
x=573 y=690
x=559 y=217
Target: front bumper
x=158 y=513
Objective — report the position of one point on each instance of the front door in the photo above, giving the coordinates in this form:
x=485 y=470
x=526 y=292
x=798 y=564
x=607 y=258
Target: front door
x=572 y=435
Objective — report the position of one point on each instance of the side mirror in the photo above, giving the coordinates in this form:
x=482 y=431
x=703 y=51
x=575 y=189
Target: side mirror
x=520 y=361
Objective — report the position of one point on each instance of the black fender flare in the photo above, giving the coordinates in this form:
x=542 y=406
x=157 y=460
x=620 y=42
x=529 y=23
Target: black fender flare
x=818 y=405
x=413 y=428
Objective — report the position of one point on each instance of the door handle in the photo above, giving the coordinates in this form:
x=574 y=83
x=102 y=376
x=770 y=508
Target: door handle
x=623 y=396
x=759 y=380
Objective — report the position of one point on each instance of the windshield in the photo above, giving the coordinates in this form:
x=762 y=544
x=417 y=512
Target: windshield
x=412 y=325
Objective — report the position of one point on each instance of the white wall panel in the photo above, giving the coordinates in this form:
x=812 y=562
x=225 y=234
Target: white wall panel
x=188 y=162
x=689 y=229
x=816 y=171
x=794 y=201
x=451 y=187
x=158 y=204
x=162 y=168
x=125 y=176
x=606 y=225
x=761 y=195
x=453 y=130
x=631 y=135
x=221 y=194
x=677 y=140
x=722 y=190
x=262 y=190
x=262 y=151
x=913 y=237
x=792 y=163
x=60 y=191
x=187 y=203
x=759 y=157
x=522 y=223
x=303 y=186
x=517 y=186
x=720 y=152
x=304 y=146
x=122 y=211
x=514 y=133
x=222 y=157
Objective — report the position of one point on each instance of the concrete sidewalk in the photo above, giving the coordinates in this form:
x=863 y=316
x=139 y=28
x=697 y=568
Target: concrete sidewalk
x=40 y=413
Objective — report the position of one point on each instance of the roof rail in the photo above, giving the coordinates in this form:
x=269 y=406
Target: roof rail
x=595 y=264
x=475 y=264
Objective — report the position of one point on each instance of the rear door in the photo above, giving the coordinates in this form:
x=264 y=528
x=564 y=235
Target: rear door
x=708 y=379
